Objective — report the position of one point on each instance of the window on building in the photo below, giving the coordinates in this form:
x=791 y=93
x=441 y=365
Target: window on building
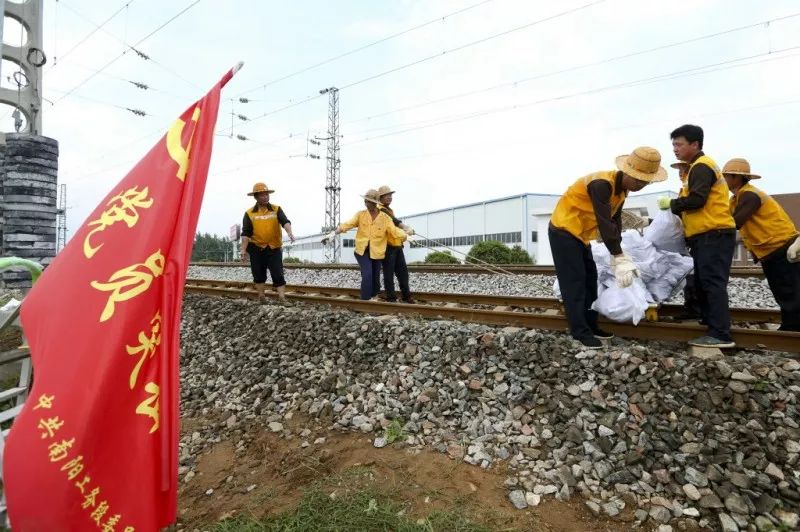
x=534 y=236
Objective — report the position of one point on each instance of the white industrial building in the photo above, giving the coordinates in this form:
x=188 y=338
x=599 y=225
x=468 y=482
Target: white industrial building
x=514 y=220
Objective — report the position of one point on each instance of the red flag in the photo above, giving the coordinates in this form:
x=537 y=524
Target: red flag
x=95 y=446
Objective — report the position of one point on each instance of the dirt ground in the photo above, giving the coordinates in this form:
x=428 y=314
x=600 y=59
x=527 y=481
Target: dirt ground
x=276 y=471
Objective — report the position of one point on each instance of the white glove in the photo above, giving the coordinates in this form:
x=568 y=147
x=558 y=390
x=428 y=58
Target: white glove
x=624 y=270
x=328 y=237
x=408 y=229
x=793 y=253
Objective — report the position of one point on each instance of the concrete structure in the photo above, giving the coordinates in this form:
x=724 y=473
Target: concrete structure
x=29 y=173
x=514 y=220
x=30 y=57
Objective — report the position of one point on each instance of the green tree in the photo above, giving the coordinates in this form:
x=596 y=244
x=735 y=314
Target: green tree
x=520 y=256
x=440 y=257
x=491 y=251
x=211 y=248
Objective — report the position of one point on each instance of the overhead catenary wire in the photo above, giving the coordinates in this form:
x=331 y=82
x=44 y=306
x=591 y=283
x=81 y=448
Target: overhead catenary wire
x=575 y=68
x=131 y=47
x=426 y=59
x=705 y=69
x=97 y=27
x=366 y=46
x=724 y=65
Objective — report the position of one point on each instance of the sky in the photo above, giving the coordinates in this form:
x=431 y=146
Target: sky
x=446 y=101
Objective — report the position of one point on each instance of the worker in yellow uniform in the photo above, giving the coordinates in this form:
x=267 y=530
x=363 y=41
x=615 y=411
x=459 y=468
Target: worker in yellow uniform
x=594 y=203
x=710 y=233
x=262 y=240
x=770 y=235
x=691 y=305
x=394 y=263
x=374 y=230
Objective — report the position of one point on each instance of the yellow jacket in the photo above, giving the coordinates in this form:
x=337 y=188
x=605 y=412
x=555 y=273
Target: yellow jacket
x=716 y=213
x=769 y=228
x=574 y=212
x=373 y=233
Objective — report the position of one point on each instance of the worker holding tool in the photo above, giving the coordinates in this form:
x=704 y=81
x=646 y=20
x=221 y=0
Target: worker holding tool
x=394 y=263
x=374 y=230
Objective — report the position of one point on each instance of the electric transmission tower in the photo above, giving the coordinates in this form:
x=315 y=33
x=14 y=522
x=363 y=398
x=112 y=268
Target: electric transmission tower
x=61 y=218
x=332 y=183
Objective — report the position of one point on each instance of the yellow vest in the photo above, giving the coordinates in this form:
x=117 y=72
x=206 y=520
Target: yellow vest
x=266 y=229
x=574 y=212
x=390 y=239
x=373 y=232
x=716 y=213
x=768 y=228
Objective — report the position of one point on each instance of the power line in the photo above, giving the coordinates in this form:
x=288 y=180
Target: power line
x=480 y=148
x=473 y=43
x=574 y=68
x=724 y=65
x=97 y=27
x=430 y=57
x=132 y=47
x=364 y=47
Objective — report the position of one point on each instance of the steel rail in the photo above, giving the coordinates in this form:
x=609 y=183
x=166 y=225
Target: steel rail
x=674 y=332
x=752 y=315
x=736 y=271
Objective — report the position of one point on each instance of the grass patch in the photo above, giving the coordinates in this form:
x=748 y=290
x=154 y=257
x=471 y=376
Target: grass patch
x=395 y=432
x=366 y=509
x=350 y=501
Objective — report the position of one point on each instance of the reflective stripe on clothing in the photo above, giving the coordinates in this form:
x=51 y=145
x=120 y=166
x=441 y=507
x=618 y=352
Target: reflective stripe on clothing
x=574 y=212
x=769 y=228
x=715 y=213
x=372 y=233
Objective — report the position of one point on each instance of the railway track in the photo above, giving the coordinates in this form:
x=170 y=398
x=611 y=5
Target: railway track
x=737 y=271
x=526 y=312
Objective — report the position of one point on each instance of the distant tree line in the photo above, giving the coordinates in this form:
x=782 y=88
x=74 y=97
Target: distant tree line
x=211 y=248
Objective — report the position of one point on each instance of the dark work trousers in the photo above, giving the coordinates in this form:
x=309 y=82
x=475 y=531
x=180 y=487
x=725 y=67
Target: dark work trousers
x=577 y=278
x=370 y=275
x=784 y=281
x=265 y=259
x=712 y=252
x=395 y=264
x=691 y=304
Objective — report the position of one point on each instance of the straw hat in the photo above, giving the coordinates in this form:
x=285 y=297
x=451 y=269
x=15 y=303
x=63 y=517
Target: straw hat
x=258 y=188
x=385 y=189
x=739 y=166
x=372 y=195
x=680 y=164
x=644 y=164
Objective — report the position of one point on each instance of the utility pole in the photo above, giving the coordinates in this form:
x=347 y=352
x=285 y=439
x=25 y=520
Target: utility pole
x=61 y=218
x=332 y=183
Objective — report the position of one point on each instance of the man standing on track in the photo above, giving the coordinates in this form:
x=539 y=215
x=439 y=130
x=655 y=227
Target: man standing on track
x=710 y=233
x=262 y=240
x=394 y=263
x=770 y=235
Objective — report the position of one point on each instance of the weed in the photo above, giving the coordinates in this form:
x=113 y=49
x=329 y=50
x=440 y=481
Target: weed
x=395 y=432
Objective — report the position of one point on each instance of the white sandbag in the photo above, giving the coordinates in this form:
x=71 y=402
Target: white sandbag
x=623 y=305
x=666 y=233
